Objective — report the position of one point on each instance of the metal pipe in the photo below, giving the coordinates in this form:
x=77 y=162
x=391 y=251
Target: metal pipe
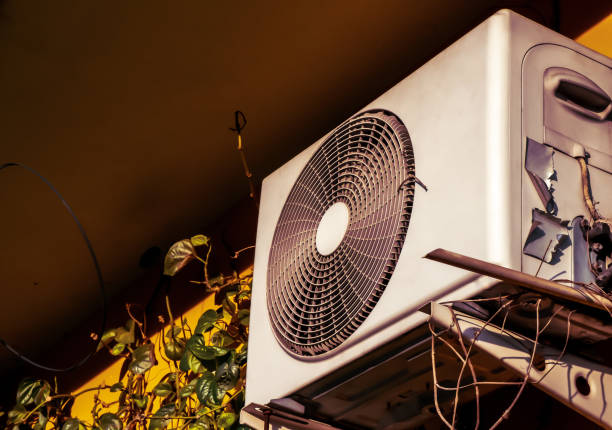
x=586 y=189
x=511 y=276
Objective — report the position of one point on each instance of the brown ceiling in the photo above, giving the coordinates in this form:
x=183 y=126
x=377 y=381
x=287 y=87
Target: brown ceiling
x=125 y=108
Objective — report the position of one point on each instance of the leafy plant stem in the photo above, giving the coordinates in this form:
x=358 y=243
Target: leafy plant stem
x=206 y=266
x=141 y=325
x=170 y=315
x=144 y=401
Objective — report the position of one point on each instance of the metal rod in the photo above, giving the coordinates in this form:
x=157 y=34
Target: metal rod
x=511 y=276
x=275 y=419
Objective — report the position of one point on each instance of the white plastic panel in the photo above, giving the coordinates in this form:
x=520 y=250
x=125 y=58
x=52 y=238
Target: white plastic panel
x=570 y=130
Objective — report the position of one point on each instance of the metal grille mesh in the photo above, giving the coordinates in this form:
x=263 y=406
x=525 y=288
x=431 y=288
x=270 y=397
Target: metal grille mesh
x=314 y=301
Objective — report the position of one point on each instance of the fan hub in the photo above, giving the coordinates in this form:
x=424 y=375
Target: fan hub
x=332 y=228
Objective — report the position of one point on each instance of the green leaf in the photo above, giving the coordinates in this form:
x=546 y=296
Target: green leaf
x=173 y=332
x=178 y=256
x=117 y=349
x=198 y=347
x=42 y=420
x=43 y=394
x=202 y=423
x=229 y=306
x=222 y=338
x=174 y=350
x=217 y=280
x=109 y=421
x=216 y=393
x=73 y=424
x=203 y=386
x=208 y=391
x=126 y=334
x=140 y=401
x=188 y=389
x=206 y=321
x=184 y=363
x=227 y=374
x=161 y=419
x=163 y=389
x=32 y=391
x=17 y=414
x=243 y=317
x=200 y=240
x=241 y=357
x=191 y=362
x=171 y=376
x=143 y=358
x=106 y=338
x=118 y=386
x=219 y=352
x=226 y=419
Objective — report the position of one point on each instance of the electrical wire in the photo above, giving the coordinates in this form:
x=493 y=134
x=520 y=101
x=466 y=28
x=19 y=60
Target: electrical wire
x=83 y=360
x=586 y=189
x=239 y=124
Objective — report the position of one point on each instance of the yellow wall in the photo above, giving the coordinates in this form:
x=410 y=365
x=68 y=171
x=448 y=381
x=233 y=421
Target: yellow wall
x=83 y=403
x=599 y=37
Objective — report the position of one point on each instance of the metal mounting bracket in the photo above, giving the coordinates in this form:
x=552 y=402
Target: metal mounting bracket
x=269 y=418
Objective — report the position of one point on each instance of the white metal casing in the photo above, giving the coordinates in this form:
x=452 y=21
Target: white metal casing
x=463 y=113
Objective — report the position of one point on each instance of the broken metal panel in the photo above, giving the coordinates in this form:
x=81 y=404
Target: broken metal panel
x=547 y=237
x=540 y=167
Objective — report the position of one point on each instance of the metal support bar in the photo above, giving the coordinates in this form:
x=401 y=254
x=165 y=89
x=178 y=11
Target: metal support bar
x=266 y=418
x=511 y=276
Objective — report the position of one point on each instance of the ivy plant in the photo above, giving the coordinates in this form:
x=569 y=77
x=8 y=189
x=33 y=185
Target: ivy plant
x=204 y=366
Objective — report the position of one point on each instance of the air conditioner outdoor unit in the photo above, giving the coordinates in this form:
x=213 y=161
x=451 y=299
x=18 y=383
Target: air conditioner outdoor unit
x=476 y=152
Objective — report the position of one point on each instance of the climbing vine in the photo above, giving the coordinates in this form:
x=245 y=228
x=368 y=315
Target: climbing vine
x=203 y=367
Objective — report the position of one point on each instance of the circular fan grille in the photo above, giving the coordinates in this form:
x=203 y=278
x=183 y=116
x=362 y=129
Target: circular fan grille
x=316 y=301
